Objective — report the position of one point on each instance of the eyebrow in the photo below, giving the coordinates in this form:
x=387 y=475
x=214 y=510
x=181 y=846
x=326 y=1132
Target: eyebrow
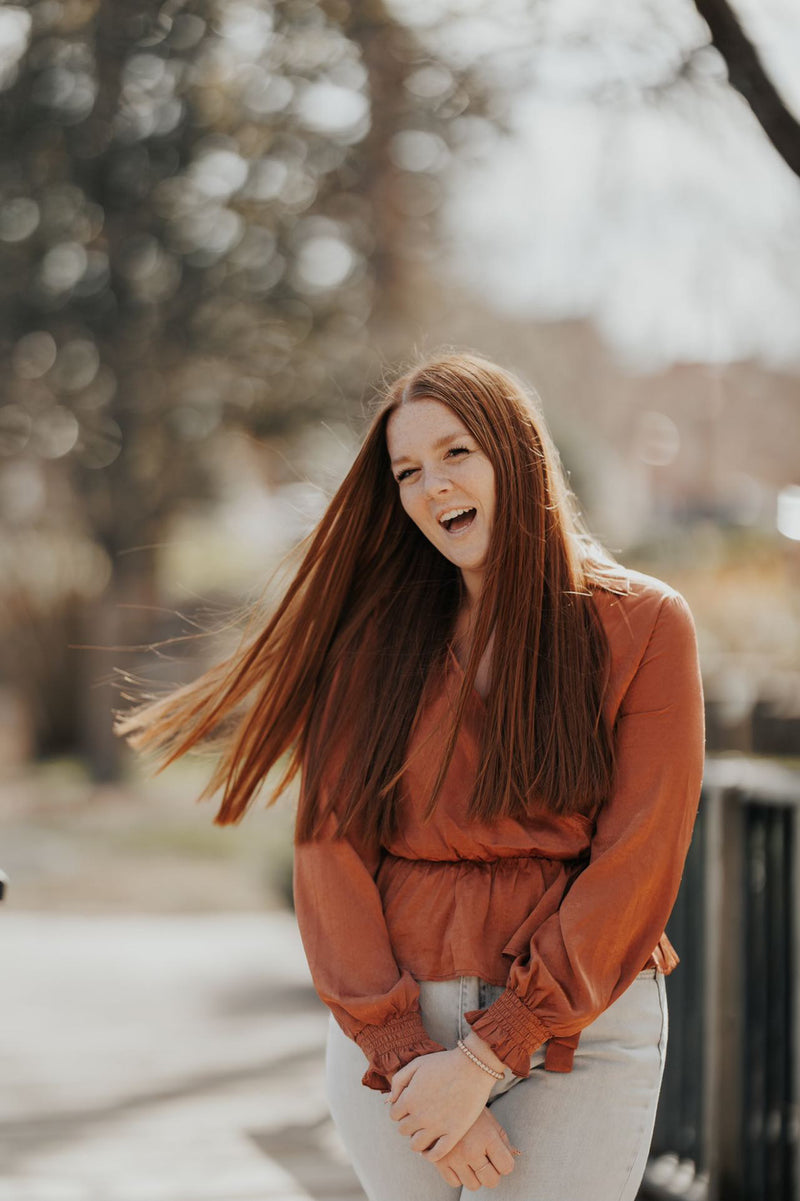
x=436 y=446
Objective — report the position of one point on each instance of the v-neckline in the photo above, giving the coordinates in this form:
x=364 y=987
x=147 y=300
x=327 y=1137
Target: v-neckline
x=460 y=670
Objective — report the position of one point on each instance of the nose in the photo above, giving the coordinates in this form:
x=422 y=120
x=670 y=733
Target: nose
x=435 y=480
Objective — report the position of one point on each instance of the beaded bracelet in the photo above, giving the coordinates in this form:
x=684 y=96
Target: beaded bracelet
x=463 y=1047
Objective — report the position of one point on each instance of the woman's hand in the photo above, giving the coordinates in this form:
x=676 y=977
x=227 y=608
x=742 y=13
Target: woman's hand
x=436 y=1098
x=482 y=1156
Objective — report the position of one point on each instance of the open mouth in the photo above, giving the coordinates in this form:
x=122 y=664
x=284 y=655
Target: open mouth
x=455 y=525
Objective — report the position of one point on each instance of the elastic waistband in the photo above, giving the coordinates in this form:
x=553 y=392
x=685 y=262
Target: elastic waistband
x=530 y=857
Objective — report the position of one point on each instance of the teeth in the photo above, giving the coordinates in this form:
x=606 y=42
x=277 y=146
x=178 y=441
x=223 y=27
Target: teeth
x=453 y=513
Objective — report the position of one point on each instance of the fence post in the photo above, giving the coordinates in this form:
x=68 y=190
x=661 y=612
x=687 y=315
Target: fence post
x=794 y=871
x=727 y=1083
x=713 y=924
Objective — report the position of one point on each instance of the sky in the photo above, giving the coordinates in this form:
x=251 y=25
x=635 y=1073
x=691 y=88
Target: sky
x=625 y=190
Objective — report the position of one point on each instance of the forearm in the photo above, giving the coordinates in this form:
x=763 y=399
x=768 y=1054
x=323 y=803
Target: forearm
x=482 y=1050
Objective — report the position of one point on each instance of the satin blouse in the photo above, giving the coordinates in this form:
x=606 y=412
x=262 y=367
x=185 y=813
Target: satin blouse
x=563 y=911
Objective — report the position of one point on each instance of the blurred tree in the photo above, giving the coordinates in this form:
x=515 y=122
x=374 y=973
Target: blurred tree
x=202 y=207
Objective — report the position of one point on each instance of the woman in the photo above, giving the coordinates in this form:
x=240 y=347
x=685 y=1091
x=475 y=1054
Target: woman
x=501 y=735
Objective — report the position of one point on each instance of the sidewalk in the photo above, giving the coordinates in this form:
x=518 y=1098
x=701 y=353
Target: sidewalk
x=163 y=1058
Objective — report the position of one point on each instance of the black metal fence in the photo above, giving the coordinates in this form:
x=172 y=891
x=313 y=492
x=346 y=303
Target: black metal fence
x=728 y=1124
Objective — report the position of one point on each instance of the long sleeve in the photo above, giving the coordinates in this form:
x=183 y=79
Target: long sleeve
x=584 y=956
x=343 y=929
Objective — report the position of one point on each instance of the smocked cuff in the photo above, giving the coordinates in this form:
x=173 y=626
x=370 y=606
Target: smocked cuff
x=391 y=1046
x=511 y=1029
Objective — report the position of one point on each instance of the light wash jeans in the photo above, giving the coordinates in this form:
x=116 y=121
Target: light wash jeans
x=585 y=1134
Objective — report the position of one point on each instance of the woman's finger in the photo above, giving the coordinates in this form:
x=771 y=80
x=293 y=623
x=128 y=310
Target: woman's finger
x=471 y=1181
x=449 y=1175
x=506 y=1137
x=399 y=1081
x=399 y=1109
x=410 y=1126
x=501 y=1158
x=440 y=1148
x=487 y=1175
x=424 y=1141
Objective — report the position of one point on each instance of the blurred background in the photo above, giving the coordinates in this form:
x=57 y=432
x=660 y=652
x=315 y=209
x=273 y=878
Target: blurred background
x=222 y=227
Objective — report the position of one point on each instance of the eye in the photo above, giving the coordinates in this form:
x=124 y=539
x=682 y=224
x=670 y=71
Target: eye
x=454 y=450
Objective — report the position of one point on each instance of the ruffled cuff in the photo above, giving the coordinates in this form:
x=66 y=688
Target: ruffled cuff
x=511 y=1029
x=391 y=1046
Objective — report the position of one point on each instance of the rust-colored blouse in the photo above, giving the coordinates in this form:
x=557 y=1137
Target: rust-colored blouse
x=563 y=911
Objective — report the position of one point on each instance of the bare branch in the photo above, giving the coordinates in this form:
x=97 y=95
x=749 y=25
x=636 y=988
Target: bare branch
x=747 y=75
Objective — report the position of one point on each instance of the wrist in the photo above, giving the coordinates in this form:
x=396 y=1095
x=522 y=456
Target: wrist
x=471 y=1071
x=484 y=1052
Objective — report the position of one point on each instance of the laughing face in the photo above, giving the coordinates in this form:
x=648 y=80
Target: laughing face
x=445 y=482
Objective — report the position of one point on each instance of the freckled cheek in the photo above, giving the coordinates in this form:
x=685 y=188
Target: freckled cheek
x=417 y=513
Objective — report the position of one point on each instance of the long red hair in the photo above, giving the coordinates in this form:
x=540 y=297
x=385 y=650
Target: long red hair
x=363 y=625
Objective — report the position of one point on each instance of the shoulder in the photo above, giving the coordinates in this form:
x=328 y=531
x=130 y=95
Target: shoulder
x=635 y=602
x=636 y=612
